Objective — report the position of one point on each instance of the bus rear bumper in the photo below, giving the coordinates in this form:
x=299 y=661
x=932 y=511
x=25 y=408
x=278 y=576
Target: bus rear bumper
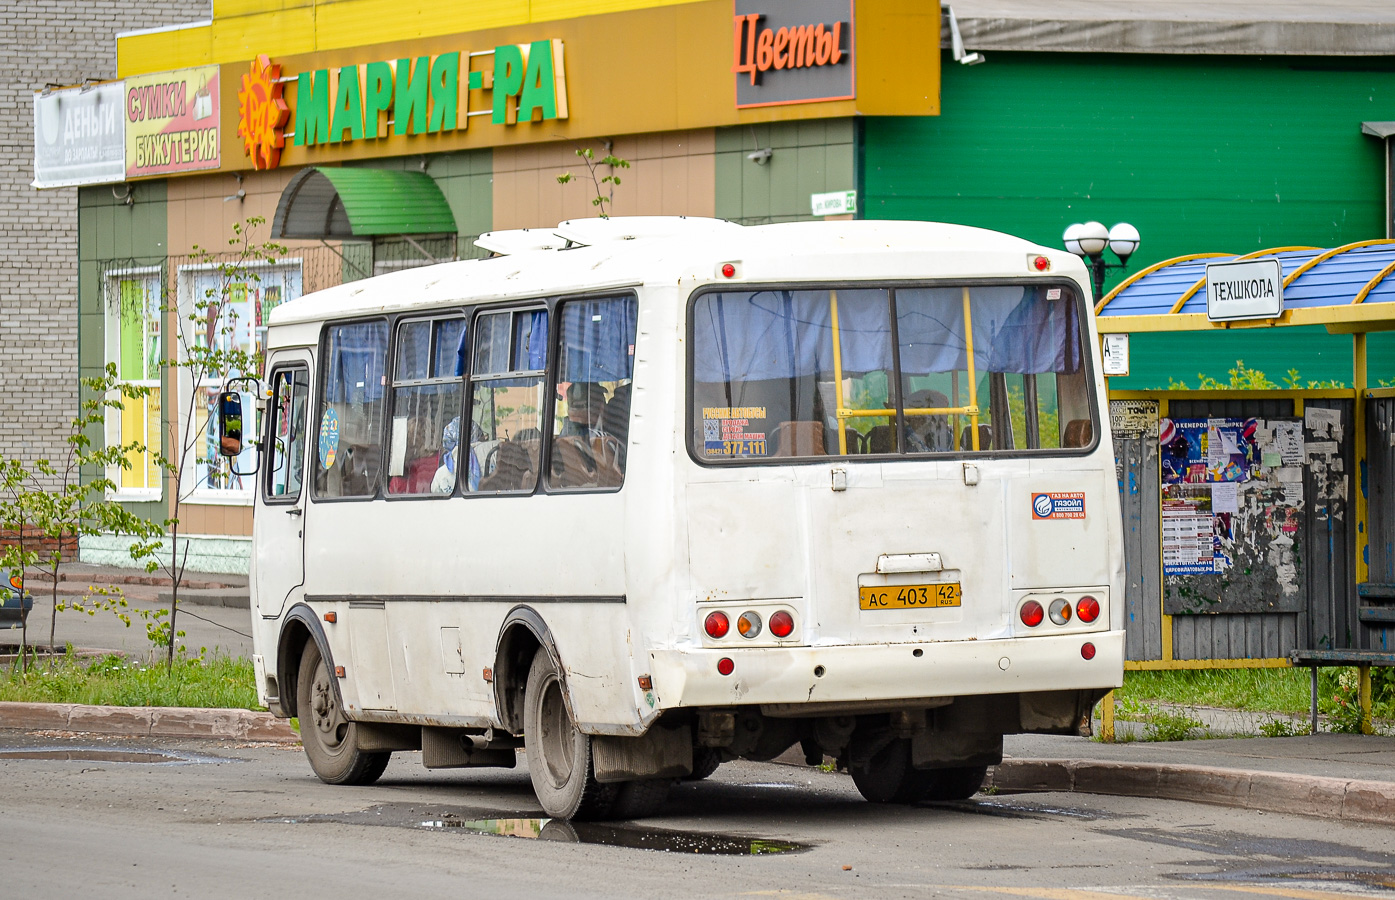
x=848 y=674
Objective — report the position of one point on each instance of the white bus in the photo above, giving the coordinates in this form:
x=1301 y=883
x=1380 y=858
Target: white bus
x=641 y=496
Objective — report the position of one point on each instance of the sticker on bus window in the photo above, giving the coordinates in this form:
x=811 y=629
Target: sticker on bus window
x=1069 y=505
x=726 y=431
x=329 y=438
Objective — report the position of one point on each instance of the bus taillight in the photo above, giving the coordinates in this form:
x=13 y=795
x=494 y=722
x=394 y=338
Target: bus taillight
x=1032 y=613
x=1060 y=611
x=1088 y=609
x=717 y=625
x=781 y=624
x=749 y=624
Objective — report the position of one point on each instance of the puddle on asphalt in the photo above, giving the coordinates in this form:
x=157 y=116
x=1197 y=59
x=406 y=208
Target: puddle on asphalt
x=1018 y=810
x=636 y=837
x=105 y=754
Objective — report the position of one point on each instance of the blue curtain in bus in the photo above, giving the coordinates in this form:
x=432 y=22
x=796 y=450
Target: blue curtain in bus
x=598 y=340
x=786 y=334
x=357 y=356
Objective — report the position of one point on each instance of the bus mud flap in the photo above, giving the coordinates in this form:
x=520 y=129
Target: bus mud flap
x=943 y=750
x=659 y=753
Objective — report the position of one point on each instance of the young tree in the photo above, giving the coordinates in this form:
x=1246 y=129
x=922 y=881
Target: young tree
x=15 y=557
x=206 y=348
x=605 y=197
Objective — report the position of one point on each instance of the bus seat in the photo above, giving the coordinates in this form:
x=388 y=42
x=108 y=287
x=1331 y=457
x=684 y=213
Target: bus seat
x=1078 y=433
x=881 y=439
x=615 y=417
x=515 y=467
x=985 y=438
x=798 y=439
x=578 y=463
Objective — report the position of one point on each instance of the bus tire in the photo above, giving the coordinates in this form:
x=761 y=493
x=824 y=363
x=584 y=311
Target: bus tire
x=881 y=769
x=329 y=738
x=705 y=762
x=559 y=753
x=958 y=783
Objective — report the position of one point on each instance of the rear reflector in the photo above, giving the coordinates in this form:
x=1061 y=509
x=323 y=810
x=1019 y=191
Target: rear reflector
x=725 y=666
x=1087 y=650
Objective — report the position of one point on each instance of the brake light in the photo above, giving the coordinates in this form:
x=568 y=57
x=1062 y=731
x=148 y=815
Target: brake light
x=1060 y=611
x=749 y=624
x=1088 y=609
x=1032 y=613
x=717 y=625
x=1087 y=650
x=781 y=624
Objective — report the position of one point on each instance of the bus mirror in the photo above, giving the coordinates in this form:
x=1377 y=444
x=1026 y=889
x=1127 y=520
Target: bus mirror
x=230 y=424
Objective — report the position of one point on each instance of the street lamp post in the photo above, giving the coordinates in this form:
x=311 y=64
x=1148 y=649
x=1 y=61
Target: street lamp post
x=1089 y=241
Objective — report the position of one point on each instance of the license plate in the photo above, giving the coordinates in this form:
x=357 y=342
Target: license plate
x=910 y=596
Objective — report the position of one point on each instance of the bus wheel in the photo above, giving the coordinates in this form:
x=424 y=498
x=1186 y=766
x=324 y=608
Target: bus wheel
x=958 y=783
x=329 y=738
x=559 y=754
x=880 y=766
x=705 y=762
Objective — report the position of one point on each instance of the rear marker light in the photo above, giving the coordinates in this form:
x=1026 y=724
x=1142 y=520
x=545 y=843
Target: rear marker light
x=781 y=624
x=1041 y=263
x=1031 y=613
x=1088 y=609
x=717 y=625
x=749 y=624
x=646 y=683
x=725 y=666
x=1087 y=650
x=338 y=671
x=1060 y=611
x=728 y=270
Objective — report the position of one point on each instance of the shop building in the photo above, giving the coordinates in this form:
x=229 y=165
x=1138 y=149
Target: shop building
x=371 y=137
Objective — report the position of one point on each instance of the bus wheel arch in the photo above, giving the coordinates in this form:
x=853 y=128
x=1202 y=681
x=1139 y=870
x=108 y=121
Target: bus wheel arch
x=522 y=636
x=301 y=627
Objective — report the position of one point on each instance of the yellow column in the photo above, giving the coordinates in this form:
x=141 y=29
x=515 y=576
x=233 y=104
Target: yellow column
x=838 y=374
x=1107 y=718
x=973 y=382
x=1363 y=694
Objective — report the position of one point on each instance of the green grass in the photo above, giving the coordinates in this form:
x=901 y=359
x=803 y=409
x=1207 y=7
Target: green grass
x=1258 y=690
x=113 y=681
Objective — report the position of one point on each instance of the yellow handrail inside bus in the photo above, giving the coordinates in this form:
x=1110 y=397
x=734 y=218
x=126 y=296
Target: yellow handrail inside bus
x=839 y=411
x=973 y=384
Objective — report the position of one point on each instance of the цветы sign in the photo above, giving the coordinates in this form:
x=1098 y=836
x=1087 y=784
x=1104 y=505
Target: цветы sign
x=792 y=51
x=171 y=122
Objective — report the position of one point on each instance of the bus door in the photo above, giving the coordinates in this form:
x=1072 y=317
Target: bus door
x=280 y=527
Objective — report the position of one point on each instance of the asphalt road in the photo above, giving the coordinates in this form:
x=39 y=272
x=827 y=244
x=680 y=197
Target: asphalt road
x=220 y=629
x=237 y=820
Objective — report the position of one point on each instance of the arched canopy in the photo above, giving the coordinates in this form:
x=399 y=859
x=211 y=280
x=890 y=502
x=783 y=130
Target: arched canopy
x=329 y=203
x=1347 y=288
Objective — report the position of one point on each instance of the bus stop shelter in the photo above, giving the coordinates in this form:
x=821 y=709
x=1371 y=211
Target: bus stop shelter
x=1259 y=524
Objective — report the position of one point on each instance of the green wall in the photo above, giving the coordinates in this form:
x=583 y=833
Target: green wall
x=812 y=157
x=113 y=235
x=1224 y=154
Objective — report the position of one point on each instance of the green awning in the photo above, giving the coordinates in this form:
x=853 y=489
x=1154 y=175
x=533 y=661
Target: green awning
x=344 y=204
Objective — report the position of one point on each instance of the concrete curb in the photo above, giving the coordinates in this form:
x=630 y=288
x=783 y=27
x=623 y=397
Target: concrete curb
x=147 y=721
x=1301 y=795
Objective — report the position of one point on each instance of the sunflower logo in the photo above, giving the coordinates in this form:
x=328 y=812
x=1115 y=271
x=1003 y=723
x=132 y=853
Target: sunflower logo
x=261 y=113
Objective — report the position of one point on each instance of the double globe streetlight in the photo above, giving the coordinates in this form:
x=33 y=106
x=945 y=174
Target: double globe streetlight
x=1090 y=239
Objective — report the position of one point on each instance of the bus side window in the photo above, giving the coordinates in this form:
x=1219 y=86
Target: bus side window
x=349 y=431
x=506 y=401
x=426 y=389
x=591 y=399
x=290 y=398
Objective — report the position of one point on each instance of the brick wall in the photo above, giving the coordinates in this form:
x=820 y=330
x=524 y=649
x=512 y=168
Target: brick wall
x=60 y=42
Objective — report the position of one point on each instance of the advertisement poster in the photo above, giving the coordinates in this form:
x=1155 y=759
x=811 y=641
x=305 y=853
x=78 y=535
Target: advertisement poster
x=172 y=122
x=78 y=136
x=1230 y=506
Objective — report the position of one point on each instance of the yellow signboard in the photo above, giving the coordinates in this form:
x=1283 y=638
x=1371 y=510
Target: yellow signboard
x=172 y=122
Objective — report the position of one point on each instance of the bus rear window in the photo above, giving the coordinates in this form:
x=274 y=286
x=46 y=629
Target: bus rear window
x=888 y=371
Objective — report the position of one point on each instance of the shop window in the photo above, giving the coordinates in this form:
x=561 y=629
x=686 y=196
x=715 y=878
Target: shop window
x=349 y=435
x=231 y=310
x=134 y=310
x=426 y=387
x=591 y=398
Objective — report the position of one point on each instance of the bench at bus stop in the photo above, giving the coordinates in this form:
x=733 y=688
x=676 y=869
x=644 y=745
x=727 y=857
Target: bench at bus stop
x=1377 y=607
